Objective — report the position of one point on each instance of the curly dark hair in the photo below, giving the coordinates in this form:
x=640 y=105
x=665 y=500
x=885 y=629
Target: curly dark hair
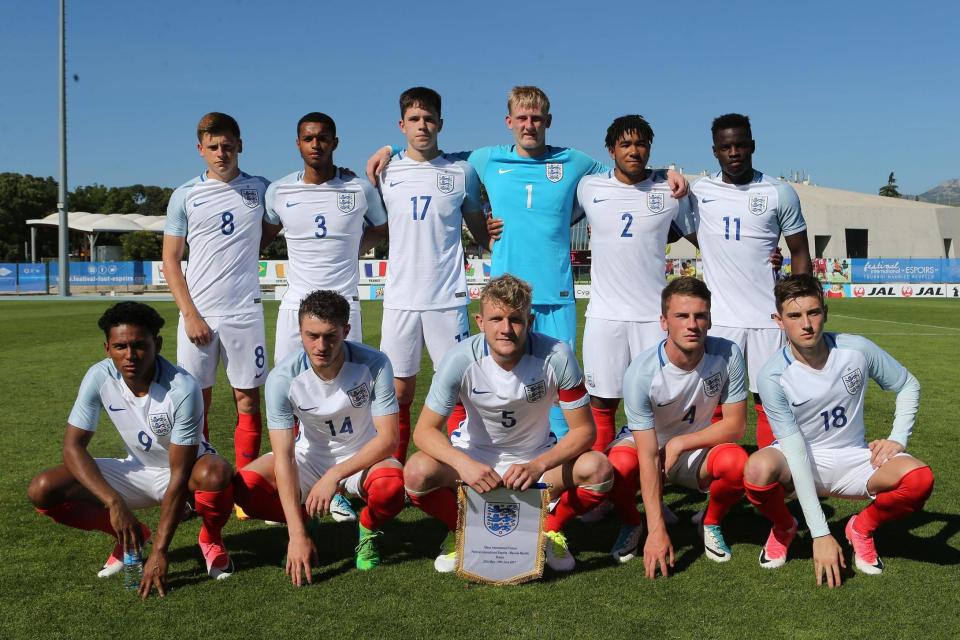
x=132 y=313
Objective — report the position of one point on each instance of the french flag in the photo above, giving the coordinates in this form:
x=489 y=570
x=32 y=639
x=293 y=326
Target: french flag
x=381 y=268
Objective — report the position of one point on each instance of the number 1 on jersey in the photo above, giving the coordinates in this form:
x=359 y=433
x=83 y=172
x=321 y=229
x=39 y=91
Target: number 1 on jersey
x=529 y=196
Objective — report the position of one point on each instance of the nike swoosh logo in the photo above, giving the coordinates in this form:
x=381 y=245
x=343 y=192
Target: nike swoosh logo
x=393 y=184
x=598 y=200
x=663 y=404
x=503 y=171
x=705 y=201
x=259 y=375
x=292 y=204
x=306 y=408
x=197 y=204
x=113 y=408
x=797 y=404
x=474 y=390
x=714 y=552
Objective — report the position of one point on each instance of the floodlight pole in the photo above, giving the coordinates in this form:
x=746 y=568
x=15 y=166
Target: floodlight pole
x=63 y=253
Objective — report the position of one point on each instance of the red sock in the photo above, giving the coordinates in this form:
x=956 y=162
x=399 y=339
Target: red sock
x=626 y=481
x=606 y=421
x=769 y=500
x=214 y=508
x=908 y=496
x=572 y=503
x=246 y=438
x=257 y=497
x=384 y=490
x=80 y=515
x=404 y=442
x=725 y=465
x=456 y=418
x=717 y=414
x=764 y=432
x=440 y=503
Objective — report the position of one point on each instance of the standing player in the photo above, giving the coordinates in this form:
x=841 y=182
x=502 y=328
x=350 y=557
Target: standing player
x=740 y=216
x=158 y=410
x=428 y=196
x=329 y=217
x=531 y=187
x=220 y=215
x=508 y=378
x=671 y=392
x=814 y=389
x=341 y=394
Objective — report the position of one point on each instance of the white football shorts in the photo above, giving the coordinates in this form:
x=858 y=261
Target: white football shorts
x=608 y=348
x=140 y=486
x=501 y=461
x=239 y=340
x=311 y=468
x=686 y=471
x=757 y=345
x=405 y=332
x=288 y=331
x=842 y=472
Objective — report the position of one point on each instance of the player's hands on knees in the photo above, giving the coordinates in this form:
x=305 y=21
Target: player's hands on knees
x=679 y=187
x=154 y=575
x=828 y=560
x=657 y=554
x=321 y=495
x=480 y=477
x=883 y=450
x=301 y=554
x=126 y=525
x=198 y=331
x=377 y=163
x=522 y=476
x=494 y=229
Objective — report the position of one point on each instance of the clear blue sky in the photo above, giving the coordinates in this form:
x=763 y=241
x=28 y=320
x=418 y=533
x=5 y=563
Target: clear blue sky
x=846 y=92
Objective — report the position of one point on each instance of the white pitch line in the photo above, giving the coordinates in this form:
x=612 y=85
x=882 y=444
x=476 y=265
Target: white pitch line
x=909 y=324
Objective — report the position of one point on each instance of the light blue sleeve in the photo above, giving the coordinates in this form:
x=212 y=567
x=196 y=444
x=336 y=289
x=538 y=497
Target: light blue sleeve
x=269 y=212
x=788 y=212
x=471 y=201
x=376 y=215
x=578 y=211
x=187 y=400
x=735 y=390
x=636 y=390
x=794 y=449
x=684 y=221
x=383 y=395
x=585 y=165
x=478 y=159
x=86 y=409
x=277 y=392
x=775 y=403
x=176 y=224
x=569 y=375
x=445 y=387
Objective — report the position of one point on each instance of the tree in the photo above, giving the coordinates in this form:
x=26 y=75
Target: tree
x=25 y=197
x=889 y=190
x=142 y=245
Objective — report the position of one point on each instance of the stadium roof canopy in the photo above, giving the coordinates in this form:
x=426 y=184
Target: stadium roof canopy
x=93 y=224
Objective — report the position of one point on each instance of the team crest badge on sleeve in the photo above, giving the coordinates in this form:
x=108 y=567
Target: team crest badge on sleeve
x=346 y=202
x=535 y=391
x=655 y=201
x=853 y=381
x=160 y=424
x=359 y=395
x=554 y=171
x=713 y=384
x=251 y=197
x=500 y=518
x=445 y=182
x=758 y=205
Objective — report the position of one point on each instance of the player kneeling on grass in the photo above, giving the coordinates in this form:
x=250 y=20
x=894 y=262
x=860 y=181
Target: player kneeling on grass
x=158 y=410
x=670 y=393
x=508 y=378
x=814 y=389
x=341 y=394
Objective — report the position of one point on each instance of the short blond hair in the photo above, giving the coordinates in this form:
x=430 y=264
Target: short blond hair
x=508 y=291
x=528 y=97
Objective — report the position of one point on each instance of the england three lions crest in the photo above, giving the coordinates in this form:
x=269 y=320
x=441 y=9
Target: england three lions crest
x=251 y=197
x=853 y=381
x=554 y=171
x=445 y=183
x=501 y=518
x=758 y=205
x=346 y=202
x=359 y=395
x=160 y=424
x=535 y=391
x=713 y=384
x=655 y=201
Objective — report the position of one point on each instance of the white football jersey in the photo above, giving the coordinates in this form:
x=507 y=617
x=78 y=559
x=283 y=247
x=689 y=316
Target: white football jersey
x=826 y=405
x=222 y=223
x=425 y=202
x=659 y=395
x=323 y=225
x=170 y=413
x=335 y=416
x=629 y=225
x=508 y=412
x=738 y=226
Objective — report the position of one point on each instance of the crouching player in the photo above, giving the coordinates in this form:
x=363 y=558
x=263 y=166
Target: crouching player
x=670 y=394
x=508 y=378
x=341 y=394
x=158 y=410
x=813 y=389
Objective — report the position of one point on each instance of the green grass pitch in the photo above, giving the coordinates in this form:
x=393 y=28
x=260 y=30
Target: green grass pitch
x=48 y=584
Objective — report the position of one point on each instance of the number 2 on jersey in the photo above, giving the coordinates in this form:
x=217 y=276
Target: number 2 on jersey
x=628 y=218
